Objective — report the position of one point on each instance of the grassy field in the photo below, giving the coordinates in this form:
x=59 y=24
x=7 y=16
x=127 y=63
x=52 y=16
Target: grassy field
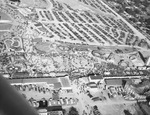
x=4 y=16
x=5 y=26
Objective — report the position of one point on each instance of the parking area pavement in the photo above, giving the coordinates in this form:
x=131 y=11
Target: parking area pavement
x=104 y=101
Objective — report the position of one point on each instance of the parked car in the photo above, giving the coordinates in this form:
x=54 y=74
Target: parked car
x=71 y=100
x=67 y=101
x=62 y=101
x=58 y=102
x=96 y=99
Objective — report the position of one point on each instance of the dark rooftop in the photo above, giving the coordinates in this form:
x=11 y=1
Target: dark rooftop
x=57 y=85
x=113 y=81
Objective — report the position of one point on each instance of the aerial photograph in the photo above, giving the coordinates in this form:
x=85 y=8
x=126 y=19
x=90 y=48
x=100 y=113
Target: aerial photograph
x=74 y=57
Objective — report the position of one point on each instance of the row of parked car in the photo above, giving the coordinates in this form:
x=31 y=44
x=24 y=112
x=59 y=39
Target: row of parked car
x=46 y=103
x=63 y=101
x=113 y=91
x=119 y=90
x=133 y=97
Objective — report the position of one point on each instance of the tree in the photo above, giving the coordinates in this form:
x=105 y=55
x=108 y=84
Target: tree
x=64 y=111
x=73 y=111
x=96 y=111
x=148 y=98
x=95 y=107
x=126 y=112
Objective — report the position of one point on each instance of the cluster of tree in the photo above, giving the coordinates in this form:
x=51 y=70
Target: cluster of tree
x=96 y=111
x=73 y=111
x=127 y=112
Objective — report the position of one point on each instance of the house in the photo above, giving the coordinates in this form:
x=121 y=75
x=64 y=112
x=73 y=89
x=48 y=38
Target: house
x=95 y=78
